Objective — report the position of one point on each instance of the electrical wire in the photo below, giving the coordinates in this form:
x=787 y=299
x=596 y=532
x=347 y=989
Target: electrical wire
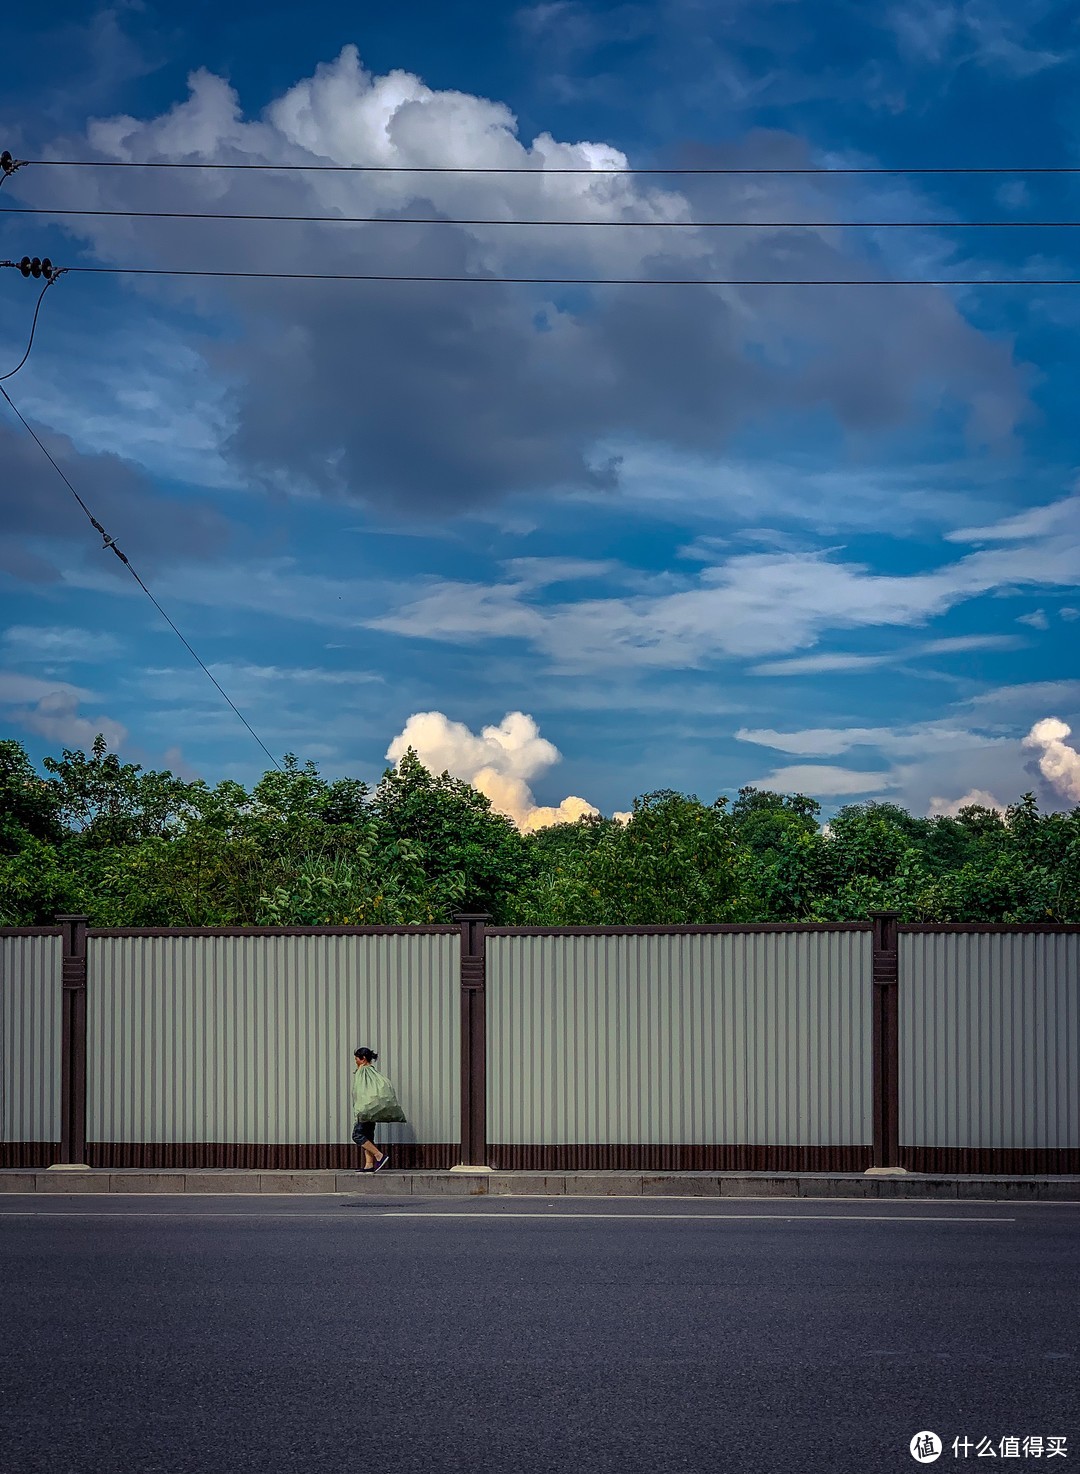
x=33 y=329
x=111 y=543
x=585 y=281
x=623 y=224
x=542 y=173
x=506 y=280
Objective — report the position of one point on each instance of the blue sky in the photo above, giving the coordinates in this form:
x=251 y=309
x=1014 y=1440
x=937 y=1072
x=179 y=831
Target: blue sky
x=813 y=538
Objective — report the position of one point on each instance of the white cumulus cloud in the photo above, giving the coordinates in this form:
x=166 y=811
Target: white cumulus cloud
x=1058 y=762
x=499 y=763
x=950 y=807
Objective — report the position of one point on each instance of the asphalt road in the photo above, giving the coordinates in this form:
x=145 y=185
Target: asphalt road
x=144 y=1334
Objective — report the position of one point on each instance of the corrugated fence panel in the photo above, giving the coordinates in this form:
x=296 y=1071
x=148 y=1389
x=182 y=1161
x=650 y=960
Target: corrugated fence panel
x=251 y=1039
x=680 y=1039
x=990 y=1040
x=30 y=1036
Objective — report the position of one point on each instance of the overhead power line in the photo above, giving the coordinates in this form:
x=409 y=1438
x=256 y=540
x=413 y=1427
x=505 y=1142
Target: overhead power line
x=622 y=224
x=51 y=277
x=543 y=172
x=580 y=281
x=109 y=542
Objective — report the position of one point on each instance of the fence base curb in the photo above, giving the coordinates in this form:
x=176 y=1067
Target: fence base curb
x=389 y=1183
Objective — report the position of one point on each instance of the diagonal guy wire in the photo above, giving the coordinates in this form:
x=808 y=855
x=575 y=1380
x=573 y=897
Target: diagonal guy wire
x=111 y=543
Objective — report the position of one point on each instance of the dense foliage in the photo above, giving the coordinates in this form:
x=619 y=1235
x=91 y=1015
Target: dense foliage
x=135 y=848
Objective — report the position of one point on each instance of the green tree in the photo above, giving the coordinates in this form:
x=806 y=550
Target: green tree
x=147 y=849
x=469 y=854
x=108 y=802
x=674 y=862
x=783 y=856
x=29 y=805
x=35 y=884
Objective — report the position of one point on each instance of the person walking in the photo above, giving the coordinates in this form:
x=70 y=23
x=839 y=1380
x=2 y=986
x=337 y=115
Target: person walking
x=372 y=1096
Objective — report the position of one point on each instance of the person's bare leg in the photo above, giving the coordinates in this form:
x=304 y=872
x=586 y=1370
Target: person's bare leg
x=371 y=1153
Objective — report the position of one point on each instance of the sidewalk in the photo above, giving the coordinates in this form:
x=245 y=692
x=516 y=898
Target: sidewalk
x=544 y=1184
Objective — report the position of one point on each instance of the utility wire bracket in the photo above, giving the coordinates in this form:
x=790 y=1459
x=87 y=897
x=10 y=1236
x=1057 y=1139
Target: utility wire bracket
x=8 y=165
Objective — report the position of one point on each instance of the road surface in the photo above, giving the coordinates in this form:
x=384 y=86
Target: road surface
x=160 y=1333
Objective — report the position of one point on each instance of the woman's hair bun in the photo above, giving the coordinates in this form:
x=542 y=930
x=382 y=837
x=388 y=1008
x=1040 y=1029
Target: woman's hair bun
x=365 y=1053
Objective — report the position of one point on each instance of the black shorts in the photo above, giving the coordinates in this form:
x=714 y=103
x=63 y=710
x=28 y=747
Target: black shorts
x=367 y=1131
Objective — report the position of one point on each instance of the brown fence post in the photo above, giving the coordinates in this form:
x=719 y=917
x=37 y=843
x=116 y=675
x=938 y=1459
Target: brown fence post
x=73 y=1042
x=886 y=1040
x=473 y=1039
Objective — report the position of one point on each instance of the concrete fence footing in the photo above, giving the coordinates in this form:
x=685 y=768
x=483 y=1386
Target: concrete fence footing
x=493 y=1183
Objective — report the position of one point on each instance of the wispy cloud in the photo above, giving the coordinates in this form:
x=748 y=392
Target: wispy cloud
x=824 y=782
x=958 y=644
x=826 y=662
x=751 y=605
x=51 y=709
x=939 y=736
x=60 y=645
x=539 y=573
x=1033 y=522
x=986 y=32
x=1032 y=696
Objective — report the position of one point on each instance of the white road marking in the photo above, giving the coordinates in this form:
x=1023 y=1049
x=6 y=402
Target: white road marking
x=721 y=1217
x=165 y=1213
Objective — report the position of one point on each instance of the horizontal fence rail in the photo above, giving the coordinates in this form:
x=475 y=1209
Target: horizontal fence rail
x=237 y=1050
x=693 y=1049
x=30 y=1046
x=990 y=1050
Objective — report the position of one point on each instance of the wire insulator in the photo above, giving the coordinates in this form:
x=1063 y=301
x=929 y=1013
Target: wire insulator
x=36 y=267
x=8 y=165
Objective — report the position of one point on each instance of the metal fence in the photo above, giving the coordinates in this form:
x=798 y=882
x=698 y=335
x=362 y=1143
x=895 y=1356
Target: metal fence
x=779 y=1048
x=989 y=1049
x=30 y=1043
x=235 y=1050
x=690 y=1051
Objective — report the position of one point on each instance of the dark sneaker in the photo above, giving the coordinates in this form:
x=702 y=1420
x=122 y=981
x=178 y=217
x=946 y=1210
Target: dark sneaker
x=381 y=1164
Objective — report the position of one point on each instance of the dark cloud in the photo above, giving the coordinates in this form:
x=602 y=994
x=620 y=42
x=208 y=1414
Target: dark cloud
x=422 y=398
x=426 y=398
x=38 y=511
x=438 y=398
